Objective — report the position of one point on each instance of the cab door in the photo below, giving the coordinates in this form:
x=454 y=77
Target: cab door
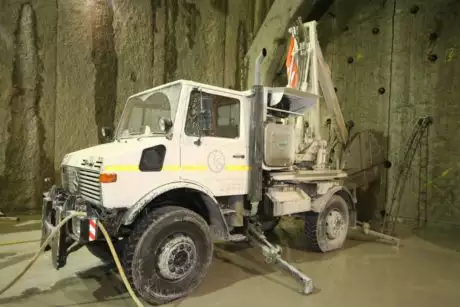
x=214 y=148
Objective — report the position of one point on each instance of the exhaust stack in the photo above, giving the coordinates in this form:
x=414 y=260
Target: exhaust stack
x=259 y=60
x=256 y=138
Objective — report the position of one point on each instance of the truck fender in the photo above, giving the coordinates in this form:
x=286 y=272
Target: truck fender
x=217 y=221
x=319 y=203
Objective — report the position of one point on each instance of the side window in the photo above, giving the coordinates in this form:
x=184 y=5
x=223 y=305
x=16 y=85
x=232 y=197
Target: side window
x=221 y=116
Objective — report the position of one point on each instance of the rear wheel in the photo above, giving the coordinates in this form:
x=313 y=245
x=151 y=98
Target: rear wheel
x=168 y=254
x=327 y=230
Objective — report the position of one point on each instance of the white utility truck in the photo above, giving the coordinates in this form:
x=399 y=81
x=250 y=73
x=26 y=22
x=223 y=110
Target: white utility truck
x=191 y=163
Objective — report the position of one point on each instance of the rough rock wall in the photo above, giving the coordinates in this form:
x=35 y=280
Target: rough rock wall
x=68 y=66
x=27 y=80
x=75 y=118
x=392 y=62
x=429 y=84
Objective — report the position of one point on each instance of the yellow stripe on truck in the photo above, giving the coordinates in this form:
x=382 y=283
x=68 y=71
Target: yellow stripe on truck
x=121 y=168
x=173 y=168
x=194 y=168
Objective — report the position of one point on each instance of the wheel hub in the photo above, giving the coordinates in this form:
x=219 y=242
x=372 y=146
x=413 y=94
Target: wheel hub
x=335 y=224
x=177 y=257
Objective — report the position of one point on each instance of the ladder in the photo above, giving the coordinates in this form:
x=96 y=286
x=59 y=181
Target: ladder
x=422 y=201
x=418 y=139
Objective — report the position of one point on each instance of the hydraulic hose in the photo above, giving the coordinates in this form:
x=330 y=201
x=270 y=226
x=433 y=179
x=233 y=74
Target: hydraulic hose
x=53 y=234
x=119 y=266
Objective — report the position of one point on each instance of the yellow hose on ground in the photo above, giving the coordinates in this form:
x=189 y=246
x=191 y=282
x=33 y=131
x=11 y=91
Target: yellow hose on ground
x=119 y=267
x=50 y=237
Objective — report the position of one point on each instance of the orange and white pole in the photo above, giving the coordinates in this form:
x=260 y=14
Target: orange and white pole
x=291 y=66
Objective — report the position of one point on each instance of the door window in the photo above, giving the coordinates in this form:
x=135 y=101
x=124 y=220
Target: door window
x=220 y=116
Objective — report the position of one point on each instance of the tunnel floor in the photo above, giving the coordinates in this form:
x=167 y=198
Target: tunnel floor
x=364 y=273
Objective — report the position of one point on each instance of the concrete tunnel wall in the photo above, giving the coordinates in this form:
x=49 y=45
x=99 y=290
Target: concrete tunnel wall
x=392 y=62
x=67 y=67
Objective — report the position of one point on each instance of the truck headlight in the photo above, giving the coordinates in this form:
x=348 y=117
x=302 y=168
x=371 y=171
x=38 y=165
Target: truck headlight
x=64 y=178
x=70 y=179
x=73 y=180
x=76 y=222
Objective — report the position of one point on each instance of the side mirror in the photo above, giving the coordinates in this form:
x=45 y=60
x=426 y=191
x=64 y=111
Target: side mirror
x=165 y=124
x=204 y=115
x=107 y=133
x=206 y=111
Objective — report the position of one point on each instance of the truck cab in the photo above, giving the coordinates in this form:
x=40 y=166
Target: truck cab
x=179 y=133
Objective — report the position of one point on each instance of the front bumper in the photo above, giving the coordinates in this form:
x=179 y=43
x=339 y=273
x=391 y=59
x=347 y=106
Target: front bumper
x=78 y=231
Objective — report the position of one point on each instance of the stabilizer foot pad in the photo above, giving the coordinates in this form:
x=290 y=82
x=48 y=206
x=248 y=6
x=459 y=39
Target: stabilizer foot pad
x=272 y=255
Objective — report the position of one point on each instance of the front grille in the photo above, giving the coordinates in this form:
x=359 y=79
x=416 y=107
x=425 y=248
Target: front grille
x=84 y=179
x=89 y=185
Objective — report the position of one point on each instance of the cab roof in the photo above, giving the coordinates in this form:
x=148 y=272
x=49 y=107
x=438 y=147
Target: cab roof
x=299 y=100
x=196 y=84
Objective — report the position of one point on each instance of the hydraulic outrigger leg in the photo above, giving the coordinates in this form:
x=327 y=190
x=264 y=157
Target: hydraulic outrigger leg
x=272 y=254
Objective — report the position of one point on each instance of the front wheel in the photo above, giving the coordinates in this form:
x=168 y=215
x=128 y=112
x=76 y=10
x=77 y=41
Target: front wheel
x=326 y=231
x=168 y=254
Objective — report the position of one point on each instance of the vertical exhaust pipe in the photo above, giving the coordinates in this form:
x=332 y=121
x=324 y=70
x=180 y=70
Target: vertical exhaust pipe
x=259 y=60
x=256 y=138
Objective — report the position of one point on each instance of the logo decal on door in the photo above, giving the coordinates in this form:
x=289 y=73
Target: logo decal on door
x=216 y=161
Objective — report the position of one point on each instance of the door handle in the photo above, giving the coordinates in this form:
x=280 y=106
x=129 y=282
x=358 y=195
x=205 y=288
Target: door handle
x=238 y=156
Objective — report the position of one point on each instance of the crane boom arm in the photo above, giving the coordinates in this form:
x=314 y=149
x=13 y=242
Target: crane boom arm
x=307 y=71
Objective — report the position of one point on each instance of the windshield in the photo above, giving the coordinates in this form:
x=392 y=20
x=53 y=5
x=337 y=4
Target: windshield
x=142 y=114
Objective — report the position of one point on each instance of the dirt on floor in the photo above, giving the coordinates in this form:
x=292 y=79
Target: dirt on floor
x=363 y=273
